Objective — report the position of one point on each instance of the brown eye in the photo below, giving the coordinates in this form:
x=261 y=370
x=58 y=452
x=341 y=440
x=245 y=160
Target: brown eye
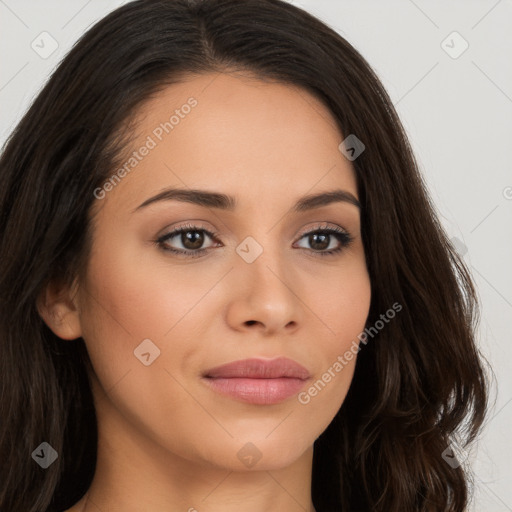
x=323 y=241
x=192 y=240
x=189 y=241
x=186 y=240
x=319 y=241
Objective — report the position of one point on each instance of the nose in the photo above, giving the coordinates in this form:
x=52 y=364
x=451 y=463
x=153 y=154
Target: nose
x=263 y=297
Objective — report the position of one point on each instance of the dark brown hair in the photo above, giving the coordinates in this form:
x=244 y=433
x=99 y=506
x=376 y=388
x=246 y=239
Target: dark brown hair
x=416 y=383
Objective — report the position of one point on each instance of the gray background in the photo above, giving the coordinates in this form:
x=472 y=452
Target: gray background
x=457 y=112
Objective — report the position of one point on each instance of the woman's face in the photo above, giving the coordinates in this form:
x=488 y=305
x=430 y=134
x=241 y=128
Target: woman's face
x=156 y=322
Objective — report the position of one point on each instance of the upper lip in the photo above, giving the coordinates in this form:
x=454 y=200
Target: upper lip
x=260 y=369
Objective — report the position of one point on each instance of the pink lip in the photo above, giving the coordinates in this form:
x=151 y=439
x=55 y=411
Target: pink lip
x=258 y=381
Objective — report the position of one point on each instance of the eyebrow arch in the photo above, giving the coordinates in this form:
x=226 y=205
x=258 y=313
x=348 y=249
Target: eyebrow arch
x=226 y=202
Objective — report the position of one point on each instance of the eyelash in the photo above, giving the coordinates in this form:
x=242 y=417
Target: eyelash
x=343 y=237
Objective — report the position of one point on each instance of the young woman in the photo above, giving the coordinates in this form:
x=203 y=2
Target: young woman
x=223 y=284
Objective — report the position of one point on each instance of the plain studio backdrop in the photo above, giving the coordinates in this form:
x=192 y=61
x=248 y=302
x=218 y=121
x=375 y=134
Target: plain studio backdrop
x=448 y=69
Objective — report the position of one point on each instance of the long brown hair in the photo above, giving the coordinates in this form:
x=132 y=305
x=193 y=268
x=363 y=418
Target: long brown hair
x=418 y=382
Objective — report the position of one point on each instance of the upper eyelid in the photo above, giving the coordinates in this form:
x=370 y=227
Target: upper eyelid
x=179 y=229
x=213 y=235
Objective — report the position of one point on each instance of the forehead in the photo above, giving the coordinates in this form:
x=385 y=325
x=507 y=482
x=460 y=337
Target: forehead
x=237 y=133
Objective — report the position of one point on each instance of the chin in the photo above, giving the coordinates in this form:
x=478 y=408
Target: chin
x=246 y=455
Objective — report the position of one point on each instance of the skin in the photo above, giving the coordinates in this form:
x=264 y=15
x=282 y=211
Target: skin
x=167 y=441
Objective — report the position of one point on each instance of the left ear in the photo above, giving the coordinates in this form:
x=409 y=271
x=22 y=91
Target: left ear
x=57 y=305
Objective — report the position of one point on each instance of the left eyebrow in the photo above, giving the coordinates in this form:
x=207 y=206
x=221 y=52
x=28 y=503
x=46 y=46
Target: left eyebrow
x=226 y=202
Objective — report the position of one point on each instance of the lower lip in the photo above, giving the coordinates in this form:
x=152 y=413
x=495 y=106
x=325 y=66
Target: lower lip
x=257 y=391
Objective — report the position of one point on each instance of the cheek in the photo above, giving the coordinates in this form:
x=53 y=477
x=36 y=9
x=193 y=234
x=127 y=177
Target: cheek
x=131 y=293
x=342 y=311
x=127 y=303
x=131 y=296
x=343 y=303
